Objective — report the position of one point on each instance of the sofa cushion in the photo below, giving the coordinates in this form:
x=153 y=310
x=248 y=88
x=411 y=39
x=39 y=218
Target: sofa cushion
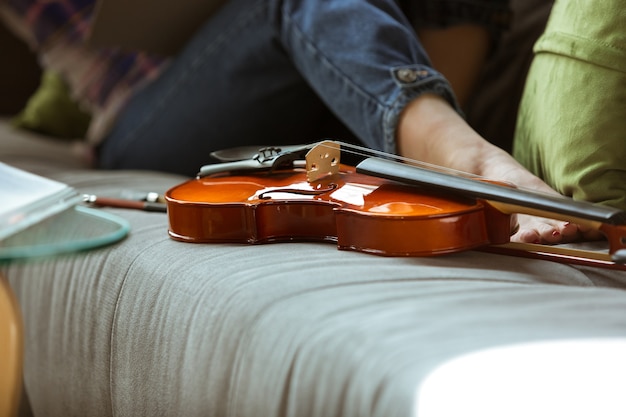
x=151 y=326
x=52 y=111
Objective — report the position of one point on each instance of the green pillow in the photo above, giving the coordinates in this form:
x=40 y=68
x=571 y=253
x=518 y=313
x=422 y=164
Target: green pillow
x=52 y=111
x=571 y=127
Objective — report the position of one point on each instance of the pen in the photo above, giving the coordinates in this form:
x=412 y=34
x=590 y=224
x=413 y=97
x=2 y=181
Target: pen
x=123 y=203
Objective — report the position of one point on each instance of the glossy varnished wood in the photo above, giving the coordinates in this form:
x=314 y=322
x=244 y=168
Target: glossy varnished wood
x=358 y=212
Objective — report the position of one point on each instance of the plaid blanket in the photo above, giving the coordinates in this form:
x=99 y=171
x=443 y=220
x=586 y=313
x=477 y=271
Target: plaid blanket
x=64 y=24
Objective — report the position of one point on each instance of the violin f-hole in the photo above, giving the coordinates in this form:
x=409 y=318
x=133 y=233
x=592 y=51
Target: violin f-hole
x=318 y=191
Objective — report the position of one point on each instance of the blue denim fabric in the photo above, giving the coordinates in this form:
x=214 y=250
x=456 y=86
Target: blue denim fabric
x=277 y=72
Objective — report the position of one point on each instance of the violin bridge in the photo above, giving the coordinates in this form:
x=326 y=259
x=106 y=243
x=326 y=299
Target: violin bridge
x=323 y=160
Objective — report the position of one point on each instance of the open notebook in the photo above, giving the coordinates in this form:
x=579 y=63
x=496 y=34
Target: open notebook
x=42 y=217
x=27 y=199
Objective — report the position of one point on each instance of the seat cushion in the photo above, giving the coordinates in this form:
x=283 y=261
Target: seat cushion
x=151 y=326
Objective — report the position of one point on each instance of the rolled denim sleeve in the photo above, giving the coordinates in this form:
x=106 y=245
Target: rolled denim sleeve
x=412 y=81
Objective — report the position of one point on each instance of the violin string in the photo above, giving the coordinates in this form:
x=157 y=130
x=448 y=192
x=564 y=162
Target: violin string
x=368 y=152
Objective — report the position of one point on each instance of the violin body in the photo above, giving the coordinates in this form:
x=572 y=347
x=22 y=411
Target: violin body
x=356 y=211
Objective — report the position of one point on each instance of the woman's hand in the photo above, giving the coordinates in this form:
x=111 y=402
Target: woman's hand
x=533 y=229
x=431 y=131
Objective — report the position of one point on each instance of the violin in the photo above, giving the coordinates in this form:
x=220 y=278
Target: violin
x=384 y=205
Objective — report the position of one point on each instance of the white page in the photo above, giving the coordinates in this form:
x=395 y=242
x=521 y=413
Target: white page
x=26 y=198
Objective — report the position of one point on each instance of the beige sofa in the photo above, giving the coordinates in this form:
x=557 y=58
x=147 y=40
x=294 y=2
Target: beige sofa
x=153 y=327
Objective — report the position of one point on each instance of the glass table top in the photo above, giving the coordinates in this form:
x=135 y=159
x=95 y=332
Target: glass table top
x=74 y=230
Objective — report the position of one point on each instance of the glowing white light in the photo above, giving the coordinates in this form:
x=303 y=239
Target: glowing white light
x=549 y=379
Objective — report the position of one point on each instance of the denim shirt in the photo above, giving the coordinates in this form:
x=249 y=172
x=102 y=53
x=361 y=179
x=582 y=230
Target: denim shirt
x=288 y=61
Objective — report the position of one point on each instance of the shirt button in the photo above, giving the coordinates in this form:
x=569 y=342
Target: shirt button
x=407 y=75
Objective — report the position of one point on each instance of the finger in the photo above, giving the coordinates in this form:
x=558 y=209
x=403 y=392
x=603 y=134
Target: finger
x=543 y=230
